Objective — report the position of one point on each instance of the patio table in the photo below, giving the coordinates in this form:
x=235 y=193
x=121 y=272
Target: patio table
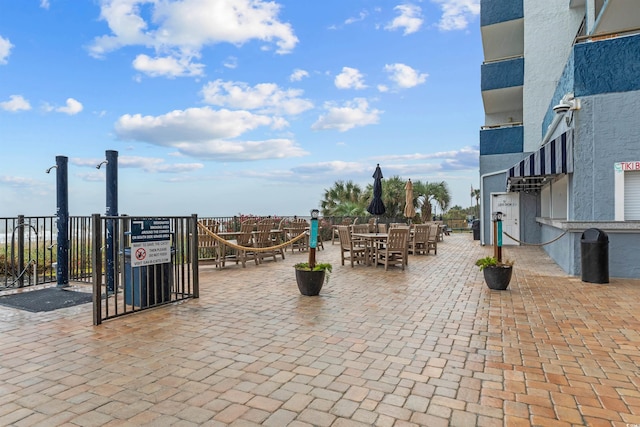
x=373 y=241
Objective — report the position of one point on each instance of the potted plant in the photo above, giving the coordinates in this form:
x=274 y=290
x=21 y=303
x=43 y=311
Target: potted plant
x=310 y=276
x=310 y=280
x=497 y=273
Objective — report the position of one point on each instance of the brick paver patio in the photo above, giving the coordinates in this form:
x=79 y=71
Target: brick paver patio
x=430 y=346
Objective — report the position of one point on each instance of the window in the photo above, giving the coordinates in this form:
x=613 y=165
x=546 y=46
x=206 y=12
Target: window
x=631 y=195
x=553 y=199
x=627 y=191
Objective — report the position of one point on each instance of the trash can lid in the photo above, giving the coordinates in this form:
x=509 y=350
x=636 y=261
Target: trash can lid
x=594 y=235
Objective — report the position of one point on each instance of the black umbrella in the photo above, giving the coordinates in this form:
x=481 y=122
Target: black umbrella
x=376 y=207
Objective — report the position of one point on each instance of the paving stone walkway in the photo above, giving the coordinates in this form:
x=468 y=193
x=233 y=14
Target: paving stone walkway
x=430 y=346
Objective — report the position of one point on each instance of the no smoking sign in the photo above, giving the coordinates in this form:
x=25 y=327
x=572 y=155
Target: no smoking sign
x=141 y=254
x=149 y=253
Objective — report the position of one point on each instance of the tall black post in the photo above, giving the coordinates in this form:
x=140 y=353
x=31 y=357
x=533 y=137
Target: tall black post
x=112 y=210
x=62 y=216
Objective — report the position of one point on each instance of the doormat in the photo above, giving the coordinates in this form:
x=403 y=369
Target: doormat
x=47 y=299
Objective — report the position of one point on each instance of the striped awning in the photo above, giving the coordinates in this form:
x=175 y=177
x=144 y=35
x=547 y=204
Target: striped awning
x=533 y=172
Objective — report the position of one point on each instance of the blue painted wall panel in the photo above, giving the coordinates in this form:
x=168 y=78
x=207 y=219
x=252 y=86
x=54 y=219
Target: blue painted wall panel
x=496 y=11
x=607 y=66
x=502 y=74
x=501 y=140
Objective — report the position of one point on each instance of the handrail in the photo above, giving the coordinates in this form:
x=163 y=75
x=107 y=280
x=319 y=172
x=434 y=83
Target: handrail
x=505 y=58
x=611 y=34
x=250 y=248
x=501 y=125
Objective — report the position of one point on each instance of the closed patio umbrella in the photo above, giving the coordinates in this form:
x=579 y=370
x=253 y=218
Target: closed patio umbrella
x=409 y=209
x=376 y=207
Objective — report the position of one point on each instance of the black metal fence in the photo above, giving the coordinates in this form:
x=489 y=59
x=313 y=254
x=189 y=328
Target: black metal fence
x=99 y=255
x=28 y=245
x=27 y=251
x=121 y=286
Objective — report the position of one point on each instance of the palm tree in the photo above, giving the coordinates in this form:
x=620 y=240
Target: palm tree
x=392 y=195
x=348 y=193
x=427 y=192
x=350 y=209
x=476 y=193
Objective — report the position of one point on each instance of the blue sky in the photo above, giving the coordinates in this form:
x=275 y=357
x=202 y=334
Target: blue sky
x=220 y=107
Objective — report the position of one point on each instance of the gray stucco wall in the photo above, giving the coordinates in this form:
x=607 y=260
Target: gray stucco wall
x=530 y=231
x=624 y=257
x=562 y=251
x=607 y=130
x=493 y=184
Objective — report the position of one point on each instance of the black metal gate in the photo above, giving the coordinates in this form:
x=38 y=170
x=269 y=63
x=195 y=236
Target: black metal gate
x=142 y=262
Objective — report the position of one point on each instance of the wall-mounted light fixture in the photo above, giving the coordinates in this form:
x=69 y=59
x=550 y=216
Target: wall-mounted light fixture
x=568 y=104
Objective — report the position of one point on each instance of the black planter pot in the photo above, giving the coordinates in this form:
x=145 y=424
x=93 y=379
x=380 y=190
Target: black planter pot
x=310 y=282
x=498 y=277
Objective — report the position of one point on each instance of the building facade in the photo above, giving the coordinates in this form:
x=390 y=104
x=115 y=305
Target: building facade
x=560 y=146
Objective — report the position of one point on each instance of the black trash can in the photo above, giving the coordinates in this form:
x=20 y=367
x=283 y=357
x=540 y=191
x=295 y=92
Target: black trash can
x=148 y=285
x=594 y=253
x=475 y=227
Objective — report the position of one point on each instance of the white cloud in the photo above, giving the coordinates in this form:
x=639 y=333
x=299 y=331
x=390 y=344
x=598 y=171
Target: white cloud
x=20 y=187
x=71 y=108
x=151 y=164
x=5 y=50
x=235 y=151
x=264 y=97
x=350 y=78
x=404 y=76
x=333 y=168
x=465 y=158
x=231 y=63
x=192 y=124
x=15 y=103
x=44 y=4
x=410 y=19
x=180 y=29
x=148 y=164
x=167 y=66
x=298 y=75
x=353 y=114
x=456 y=14
x=207 y=133
x=361 y=17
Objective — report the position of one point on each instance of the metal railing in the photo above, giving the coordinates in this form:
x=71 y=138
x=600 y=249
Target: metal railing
x=27 y=251
x=120 y=287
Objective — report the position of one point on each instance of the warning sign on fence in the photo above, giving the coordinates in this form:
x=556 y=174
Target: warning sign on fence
x=150 y=241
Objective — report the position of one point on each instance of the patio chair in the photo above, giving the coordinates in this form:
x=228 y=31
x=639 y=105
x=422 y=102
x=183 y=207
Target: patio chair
x=359 y=228
x=245 y=239
x=432 y=243
x=395 y=250
x=334 y=235
x=295 y=229
x=419 y=241
x=350 y=251
x=207 y=245
x=264 y=239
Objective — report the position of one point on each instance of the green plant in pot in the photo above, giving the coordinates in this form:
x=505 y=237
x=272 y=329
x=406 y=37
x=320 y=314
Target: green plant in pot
x=310 y=280
x=310 y=276
x=497 y=273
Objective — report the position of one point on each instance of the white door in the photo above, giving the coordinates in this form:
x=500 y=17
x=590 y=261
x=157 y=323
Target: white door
x=509 y=205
